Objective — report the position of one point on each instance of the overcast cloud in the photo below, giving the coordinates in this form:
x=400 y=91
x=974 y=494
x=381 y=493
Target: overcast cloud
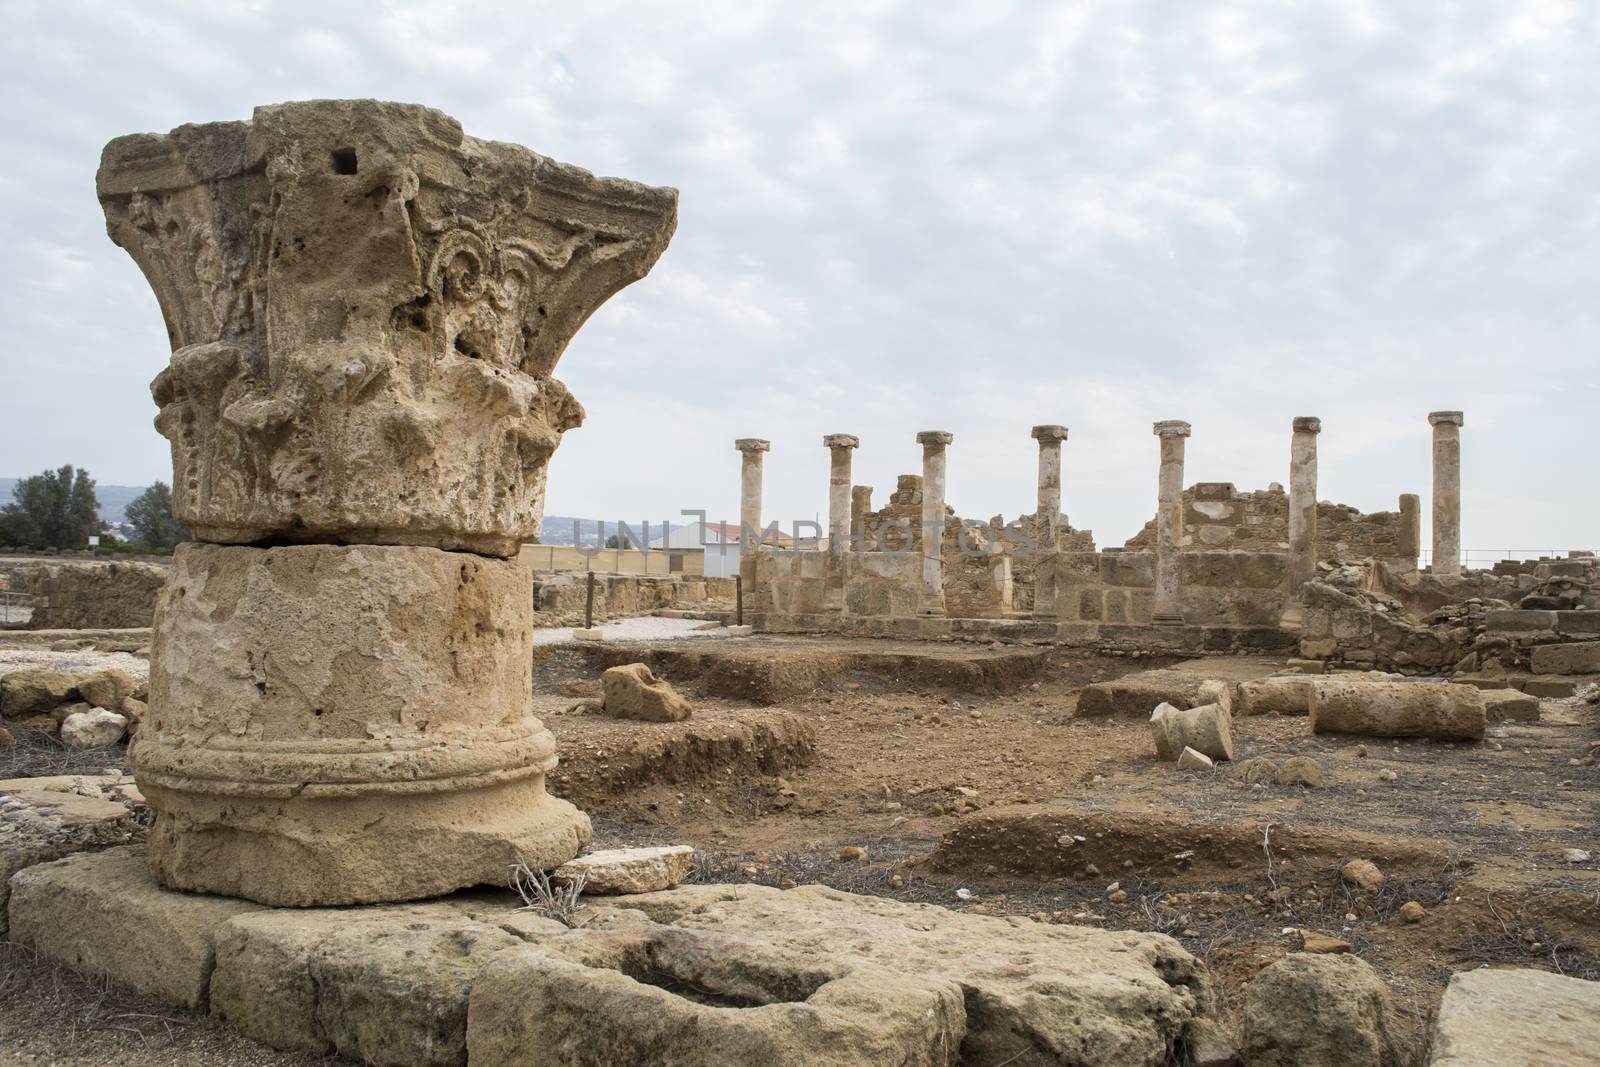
x=906 y=216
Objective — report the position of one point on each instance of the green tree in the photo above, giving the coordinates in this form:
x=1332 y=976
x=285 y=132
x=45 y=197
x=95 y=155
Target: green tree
x=55 y=509
x=150 y=514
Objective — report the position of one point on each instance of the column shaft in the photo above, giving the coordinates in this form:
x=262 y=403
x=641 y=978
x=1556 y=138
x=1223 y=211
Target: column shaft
x=931 y=600
x=1446 y=492
x=1169 y=523
x=1047 y=519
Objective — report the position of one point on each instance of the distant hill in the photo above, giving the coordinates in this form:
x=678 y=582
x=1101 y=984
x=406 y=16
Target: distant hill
x=114 y=499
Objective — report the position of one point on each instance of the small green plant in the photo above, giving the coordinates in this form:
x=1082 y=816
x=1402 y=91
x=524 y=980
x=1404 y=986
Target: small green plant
x=558 y=902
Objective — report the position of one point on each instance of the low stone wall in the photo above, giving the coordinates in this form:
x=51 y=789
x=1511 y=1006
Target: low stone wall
x=70 y=596
x=558 y=599
x=1220 y=588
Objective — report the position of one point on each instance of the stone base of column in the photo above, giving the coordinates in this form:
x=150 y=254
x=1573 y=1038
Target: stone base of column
x=1293 y=618
x=346 y=725
x=932 y=607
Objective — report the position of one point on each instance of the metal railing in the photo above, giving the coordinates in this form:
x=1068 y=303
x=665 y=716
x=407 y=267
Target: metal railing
x=1484 y=558
x=15 y=606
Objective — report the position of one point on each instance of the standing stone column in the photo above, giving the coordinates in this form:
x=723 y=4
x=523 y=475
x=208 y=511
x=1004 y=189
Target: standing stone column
x=860 y=504
x=1410 y=527
x=1169 y=523
x=1446 y=492
x=1047 y=519
x=931 y=596
x=751 y=449
x=1302 y=513
x=366 y=308
x=840 y=445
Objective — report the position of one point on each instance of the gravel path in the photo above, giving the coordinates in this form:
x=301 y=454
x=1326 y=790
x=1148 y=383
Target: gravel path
x=643 y=628
x=81 y=662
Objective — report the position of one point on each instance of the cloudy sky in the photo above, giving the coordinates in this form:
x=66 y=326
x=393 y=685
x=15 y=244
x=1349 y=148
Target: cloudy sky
x=898 y=216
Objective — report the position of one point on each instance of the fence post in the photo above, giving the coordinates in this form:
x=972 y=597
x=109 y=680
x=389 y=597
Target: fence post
x=588 y=604
x=738 y=600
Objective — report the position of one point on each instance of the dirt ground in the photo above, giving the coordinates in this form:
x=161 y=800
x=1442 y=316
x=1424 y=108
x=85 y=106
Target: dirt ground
x=946 y=791
x=959 y=775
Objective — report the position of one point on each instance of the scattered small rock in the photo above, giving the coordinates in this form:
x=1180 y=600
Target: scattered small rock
x=1576 y=855
x=1412 y=912
x=1322 y=943
x=1191 y=760
x=1300 y=770
x=1386 y=775
x=93 y=729
x=1363 y=874
x=852 y=852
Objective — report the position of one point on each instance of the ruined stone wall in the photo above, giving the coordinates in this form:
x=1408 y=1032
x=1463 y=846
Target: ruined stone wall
x=1220 y=588
x=1372 y=630
x=1025 y=556
x=95 y=595
x=558 y=599
x=1216 y=515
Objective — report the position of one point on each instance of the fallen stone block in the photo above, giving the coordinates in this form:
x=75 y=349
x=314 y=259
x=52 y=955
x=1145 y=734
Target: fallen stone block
x=631 y=691
x=34 y=692
x=1276 y=696
x=1306 y=666
x=1556 y=686
x=106 y=688
x=1508 y=705
x=44 y=819
x=1329 y=1010
x=1573 y=657
x=1136 y=695
x=1397 y=709
x=1191 y=760
x=611 y=871
x=1205 y=729
x=1516 y=1018
x=102 y=913
x=1583 y=621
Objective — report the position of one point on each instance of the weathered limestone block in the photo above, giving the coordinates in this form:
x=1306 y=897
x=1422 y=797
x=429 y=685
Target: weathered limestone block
x=1516 y=1018
x=1036 y=994
x=1205 y=729
x=107 y=688
x=1574 y=657
x=34 y=692
x=385 y=986
x=631 y=691
x=614 y=871
x=1137 y=695
x=44 y=819
x=1319 y=1011
x=1508 y=705
x=100 y=913
x=366 y=307
x=1397 y=709
x=332 y=725
x=532 y=1010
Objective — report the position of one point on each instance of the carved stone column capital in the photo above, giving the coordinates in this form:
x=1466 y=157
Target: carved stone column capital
x=366 y=307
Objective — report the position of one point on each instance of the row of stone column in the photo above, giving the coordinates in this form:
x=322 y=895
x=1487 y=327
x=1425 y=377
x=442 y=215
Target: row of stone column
x=933 y=442
x=1168 y=608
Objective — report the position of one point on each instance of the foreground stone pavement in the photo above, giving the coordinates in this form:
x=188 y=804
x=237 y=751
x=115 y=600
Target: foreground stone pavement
x=366 y=307
x=696 y=975
x=1517 y=1018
